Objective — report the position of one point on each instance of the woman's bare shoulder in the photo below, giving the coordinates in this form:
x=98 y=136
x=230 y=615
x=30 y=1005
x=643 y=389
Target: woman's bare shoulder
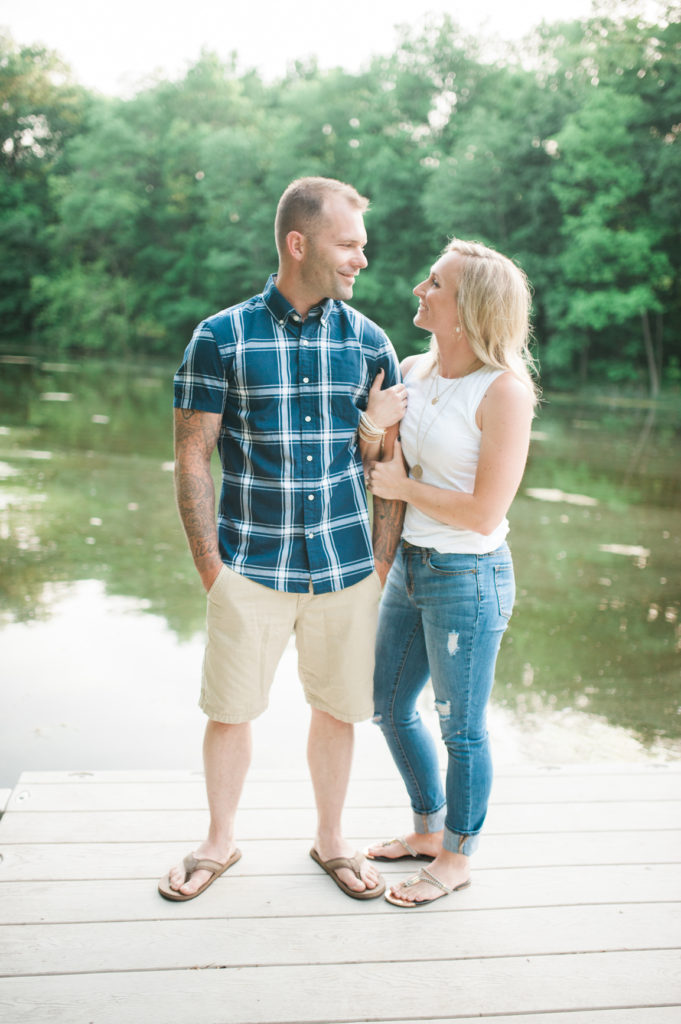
x=408 y=364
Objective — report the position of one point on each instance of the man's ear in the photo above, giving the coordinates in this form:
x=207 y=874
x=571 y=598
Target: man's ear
x=296 y=245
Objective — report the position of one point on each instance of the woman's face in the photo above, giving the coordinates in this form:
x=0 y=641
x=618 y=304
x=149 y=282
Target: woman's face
x=438 y=311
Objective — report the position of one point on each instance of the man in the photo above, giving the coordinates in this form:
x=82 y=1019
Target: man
x=279 y=383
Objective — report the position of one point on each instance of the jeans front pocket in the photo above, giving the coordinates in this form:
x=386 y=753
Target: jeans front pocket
x=451 y=564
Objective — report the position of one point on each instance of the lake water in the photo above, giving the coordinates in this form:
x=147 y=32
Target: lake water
x=101 y=613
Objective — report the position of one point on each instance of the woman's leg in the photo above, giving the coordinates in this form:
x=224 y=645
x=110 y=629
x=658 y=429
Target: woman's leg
x=463 y=637
x=400 y=675
x=469 y=600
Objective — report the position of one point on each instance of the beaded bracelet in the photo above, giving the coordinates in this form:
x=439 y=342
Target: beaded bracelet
x=368 y=431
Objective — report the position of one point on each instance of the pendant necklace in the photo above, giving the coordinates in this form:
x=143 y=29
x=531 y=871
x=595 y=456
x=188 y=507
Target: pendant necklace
x=417 y=468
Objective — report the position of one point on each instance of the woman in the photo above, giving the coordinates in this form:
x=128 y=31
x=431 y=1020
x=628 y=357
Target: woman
x=449 y=595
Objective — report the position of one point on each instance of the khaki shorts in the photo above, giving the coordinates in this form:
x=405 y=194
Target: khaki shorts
x=249 y=626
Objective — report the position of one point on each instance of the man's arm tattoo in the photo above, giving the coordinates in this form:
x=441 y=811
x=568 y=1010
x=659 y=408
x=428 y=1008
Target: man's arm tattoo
x=195 y=493
x=195 y=437
x=387 y=530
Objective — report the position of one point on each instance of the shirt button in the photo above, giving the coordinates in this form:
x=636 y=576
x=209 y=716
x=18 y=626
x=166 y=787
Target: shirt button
x=309 y=458
x=281 y=323
x=310 y=497
x=305 y=341
x=310 y=536
x=306 y=380
x=307 y=419
x=296 y=318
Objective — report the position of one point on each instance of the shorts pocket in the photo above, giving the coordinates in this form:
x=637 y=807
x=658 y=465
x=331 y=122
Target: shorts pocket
x=210 y=594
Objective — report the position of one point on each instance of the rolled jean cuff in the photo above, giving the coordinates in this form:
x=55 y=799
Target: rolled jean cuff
x=457 y=843
x=434 y=822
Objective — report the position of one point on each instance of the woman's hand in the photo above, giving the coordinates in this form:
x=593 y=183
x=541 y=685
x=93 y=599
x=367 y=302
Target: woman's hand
x=387 y=407
x=388 y=479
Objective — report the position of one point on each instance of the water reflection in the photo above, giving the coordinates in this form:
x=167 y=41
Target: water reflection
x=590 y=571
x=595 y=645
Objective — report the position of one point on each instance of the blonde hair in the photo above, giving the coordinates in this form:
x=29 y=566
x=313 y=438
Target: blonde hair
x=302 y=203
x=494 y=302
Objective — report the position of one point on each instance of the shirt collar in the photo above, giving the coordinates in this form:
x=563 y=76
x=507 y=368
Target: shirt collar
x=282 y=310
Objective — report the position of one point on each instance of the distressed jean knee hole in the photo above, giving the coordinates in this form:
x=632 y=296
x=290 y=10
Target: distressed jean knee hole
x=443 y=708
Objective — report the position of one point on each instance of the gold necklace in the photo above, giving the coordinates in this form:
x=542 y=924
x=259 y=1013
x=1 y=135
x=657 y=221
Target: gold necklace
x=436 y=398
x=417 y=468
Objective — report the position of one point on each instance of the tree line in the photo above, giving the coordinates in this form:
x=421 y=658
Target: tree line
x=123 y=222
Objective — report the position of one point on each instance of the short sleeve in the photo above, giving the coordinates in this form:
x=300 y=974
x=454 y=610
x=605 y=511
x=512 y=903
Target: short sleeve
x=385 y=358
x=200 y=381
x=389 y=362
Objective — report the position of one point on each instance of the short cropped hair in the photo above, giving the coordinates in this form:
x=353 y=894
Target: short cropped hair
x=302 y=204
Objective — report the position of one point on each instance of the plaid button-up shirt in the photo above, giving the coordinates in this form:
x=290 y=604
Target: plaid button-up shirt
x=293 y=506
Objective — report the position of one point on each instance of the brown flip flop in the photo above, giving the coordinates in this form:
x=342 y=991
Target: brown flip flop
x=354 y=864
x=192 y=864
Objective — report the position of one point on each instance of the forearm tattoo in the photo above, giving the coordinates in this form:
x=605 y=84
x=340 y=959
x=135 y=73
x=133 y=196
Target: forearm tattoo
x=387 y=529
x=195 y=438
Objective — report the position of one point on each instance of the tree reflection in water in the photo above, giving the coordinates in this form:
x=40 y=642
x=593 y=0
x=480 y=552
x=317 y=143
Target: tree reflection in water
x=594 y=647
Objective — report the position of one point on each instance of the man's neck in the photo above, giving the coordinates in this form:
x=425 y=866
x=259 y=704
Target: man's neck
x=294 y=293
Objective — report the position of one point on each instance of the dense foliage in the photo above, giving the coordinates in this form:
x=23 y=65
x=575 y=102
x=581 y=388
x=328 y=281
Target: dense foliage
x=124 y=222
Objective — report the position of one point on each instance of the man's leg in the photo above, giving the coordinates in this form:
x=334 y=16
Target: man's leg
x=329 y=753
x=226 y=757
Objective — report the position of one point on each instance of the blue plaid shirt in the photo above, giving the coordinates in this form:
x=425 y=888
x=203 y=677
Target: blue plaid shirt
x=293 y=505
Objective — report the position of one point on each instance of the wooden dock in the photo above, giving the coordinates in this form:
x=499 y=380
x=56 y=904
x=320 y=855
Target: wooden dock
x=574 y=916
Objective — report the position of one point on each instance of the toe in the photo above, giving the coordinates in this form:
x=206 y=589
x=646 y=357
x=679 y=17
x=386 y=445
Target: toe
x=175 y=878
x=194 y=883
x=384 y=850
x=370 y=876
x=350 y=879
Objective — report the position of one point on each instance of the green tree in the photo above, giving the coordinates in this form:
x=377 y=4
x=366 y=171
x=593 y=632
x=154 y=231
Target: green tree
x=134 y=217
x=613 y=271
x=40 y=109
x=125 y=222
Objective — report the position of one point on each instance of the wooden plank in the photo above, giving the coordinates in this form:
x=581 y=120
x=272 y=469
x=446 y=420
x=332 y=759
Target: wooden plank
x=370 y=823
x=609 y=769
x=242 y=894
x=632 y=1015
x=565 y=923
x=77 y=860
x=310 y=993
x=449 y=933
x=298 y=794
x=189 y=794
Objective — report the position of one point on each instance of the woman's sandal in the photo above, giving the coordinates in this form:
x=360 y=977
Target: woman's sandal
x=409 y=854
x=424 y=875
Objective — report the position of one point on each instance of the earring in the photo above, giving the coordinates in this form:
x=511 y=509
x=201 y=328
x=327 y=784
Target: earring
x=457 y=330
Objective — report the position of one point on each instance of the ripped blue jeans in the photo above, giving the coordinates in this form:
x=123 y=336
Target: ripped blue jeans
x=442 y=617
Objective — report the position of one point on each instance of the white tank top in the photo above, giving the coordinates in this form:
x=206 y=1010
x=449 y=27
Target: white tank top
x=444 y=440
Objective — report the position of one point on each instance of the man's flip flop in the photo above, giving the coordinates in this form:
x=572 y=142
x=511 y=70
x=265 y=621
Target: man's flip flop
x=424 y=875
x=191 y=864
x=354 y=864
x=409 y=854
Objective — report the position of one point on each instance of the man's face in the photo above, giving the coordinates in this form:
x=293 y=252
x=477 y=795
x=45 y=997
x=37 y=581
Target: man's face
x=335 y=251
